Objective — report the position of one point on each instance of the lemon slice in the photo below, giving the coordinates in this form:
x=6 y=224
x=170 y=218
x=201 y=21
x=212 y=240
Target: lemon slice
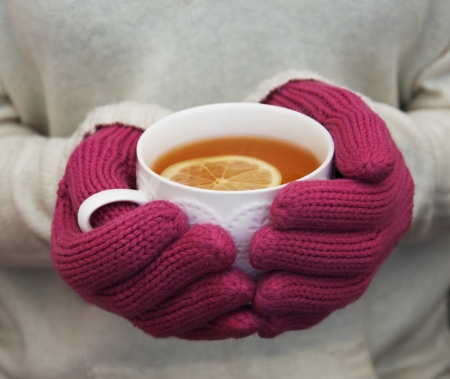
x=224 y=173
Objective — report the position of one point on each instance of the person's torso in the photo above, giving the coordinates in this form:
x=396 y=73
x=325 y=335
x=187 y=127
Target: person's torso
x=60 y=59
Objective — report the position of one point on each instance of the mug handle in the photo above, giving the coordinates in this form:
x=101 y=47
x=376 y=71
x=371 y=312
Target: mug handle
x=99 y=199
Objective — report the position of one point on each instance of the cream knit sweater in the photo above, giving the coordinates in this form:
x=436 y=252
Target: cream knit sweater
x=60 y=60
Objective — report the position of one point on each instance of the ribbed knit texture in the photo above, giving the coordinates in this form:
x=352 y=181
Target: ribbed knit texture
x=144 y=263
x=328 y=238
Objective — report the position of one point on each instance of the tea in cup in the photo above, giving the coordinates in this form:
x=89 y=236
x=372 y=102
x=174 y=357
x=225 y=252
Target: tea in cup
x=281 y=144
x=287 y=162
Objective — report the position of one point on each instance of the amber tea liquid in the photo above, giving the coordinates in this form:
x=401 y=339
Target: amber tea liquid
x=291 y=160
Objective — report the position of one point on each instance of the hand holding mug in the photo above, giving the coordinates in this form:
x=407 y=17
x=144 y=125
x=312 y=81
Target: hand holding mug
x=328 y=238
x=145 y=263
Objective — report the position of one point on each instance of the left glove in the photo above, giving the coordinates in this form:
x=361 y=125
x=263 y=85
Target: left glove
x=328 y=238
x=144 y=263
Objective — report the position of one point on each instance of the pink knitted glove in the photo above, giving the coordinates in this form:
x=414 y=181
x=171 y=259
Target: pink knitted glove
x=144 y=263
x=328 y=238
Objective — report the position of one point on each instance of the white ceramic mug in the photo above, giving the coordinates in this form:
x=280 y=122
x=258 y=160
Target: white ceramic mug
x=241 y=213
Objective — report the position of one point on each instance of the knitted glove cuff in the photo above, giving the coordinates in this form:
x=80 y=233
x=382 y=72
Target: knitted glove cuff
x=284 y=77
x=136 y=114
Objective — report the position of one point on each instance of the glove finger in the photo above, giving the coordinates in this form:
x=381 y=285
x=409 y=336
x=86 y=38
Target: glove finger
x=282 y=293
x=363 y=145
x=318 y=252
x=276 y=325
x=343 y=204
x=104 y=160
x=339 y=204
x=200 y=303
x=106 y=255
x=203 y=249
x=237 y=324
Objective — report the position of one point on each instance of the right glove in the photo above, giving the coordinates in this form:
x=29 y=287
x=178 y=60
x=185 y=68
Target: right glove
x=329 y=237
x=144 y=263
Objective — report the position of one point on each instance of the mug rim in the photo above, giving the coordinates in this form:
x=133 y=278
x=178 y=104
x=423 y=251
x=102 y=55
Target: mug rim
x=323 y=165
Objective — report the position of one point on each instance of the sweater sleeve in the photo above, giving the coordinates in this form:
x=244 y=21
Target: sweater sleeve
x=421 y=130
x=31 y=166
